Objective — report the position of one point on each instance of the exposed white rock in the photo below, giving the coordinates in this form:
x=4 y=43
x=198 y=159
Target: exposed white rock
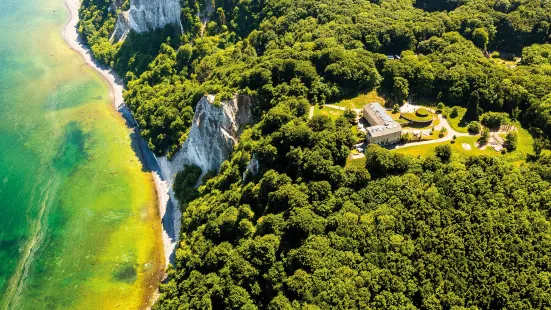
x=214 y=133
x=148 y=15
x=144 y=16
x=117 y=4
x=205 y=14
x=252 y=167
x=122 y=27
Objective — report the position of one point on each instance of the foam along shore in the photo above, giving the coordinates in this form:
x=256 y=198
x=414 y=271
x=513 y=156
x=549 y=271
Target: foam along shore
x=168 y=207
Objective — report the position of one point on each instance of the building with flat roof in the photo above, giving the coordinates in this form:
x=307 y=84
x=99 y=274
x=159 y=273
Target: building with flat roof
x=384 y=130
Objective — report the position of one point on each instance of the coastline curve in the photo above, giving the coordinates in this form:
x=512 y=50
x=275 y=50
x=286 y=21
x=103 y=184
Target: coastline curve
x=168 y=208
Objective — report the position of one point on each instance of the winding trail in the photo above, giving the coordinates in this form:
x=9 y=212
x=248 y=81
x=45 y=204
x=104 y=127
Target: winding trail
x=443 y=123
x=410 y=108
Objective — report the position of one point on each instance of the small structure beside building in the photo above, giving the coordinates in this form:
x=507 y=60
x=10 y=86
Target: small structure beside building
x=384 y=130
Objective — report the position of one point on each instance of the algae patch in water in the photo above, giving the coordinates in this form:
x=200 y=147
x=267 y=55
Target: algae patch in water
x=72 y=150
x=127 y=273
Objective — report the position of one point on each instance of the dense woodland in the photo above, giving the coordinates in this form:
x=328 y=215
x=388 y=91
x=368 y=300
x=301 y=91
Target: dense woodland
x=330 y=49
x=308 y=232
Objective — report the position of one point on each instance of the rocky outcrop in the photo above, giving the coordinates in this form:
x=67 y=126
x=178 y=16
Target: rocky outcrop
x=116 y=5
x=205 y=14
x=253 y=168
x=145 y=16
x=214 y=133
x=148 y=15
x=122 y=27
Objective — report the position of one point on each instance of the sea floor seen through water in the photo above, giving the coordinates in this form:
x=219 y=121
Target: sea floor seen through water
x=79 y=225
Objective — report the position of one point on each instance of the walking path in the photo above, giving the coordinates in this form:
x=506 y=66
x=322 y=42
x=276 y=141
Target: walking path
x=410 y=108
x=443 y=124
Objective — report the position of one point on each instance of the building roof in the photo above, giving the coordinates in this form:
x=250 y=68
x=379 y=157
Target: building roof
x=377 y=113
x=382 y=130
x=383 y=124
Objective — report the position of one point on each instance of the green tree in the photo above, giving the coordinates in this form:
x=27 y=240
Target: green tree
x=395 y=109
x=481 y=38
x=538 y=146
x=350 y=115
x=381 y=162
x=474 y=127
x=484 y=136
x=185 y=184
x=473 y=107
x=494 y=119
x=401 y=89
x=511 y=141
x=454 y=113
x=444 y=152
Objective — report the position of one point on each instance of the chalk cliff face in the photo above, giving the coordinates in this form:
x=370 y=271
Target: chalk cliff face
x=211 y=139
x=122 y=27
x=146 y=15
x=117 y=4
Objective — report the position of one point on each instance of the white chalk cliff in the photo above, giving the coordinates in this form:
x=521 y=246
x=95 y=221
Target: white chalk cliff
x=147 y=15
x=116 y=5
x=122 y=27
x=213 y=134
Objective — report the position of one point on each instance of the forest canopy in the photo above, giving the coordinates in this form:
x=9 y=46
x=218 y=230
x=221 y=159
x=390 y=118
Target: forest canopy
x=308 y=231
x=326 y=50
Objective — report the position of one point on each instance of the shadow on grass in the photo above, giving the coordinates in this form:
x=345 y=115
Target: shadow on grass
x=464 y=121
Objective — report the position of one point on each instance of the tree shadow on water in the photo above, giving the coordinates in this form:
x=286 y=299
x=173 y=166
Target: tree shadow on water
x=149 y=164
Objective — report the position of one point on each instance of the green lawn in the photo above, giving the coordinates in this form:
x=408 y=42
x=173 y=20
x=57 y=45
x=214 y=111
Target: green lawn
x=361 y=100
x=328 y=111
x=525 y=142
x=435 y=122
x=360 y=162
x=457 y=148
x=516 y=157
x=456 y=122
x=416 y=118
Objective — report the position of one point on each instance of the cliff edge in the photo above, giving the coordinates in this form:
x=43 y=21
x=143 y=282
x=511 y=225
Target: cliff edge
x=147 y=15
x=213 y=134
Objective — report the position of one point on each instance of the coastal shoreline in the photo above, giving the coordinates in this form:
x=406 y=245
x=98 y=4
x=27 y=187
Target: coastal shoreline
x=168 y=210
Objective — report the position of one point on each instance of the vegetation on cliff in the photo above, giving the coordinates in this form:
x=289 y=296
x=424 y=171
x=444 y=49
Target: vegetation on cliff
x=324 y=51
x=306 y=232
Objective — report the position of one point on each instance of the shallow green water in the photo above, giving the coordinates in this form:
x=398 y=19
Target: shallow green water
x=79 y=226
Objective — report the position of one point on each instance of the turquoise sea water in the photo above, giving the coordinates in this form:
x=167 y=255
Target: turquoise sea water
x=79 y=226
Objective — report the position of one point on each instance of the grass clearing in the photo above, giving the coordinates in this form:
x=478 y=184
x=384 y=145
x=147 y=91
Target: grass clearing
x=360 y=162
x=405 y=124
x=525 y=142
x=433 y=136
x=416 y=118
x=328 y=111
x=457 y=148
x=458 y=123
x=524 y=146
x=361 y=100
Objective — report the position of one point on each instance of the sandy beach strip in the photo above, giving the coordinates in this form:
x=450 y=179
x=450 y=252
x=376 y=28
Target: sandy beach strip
x=168 y=210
